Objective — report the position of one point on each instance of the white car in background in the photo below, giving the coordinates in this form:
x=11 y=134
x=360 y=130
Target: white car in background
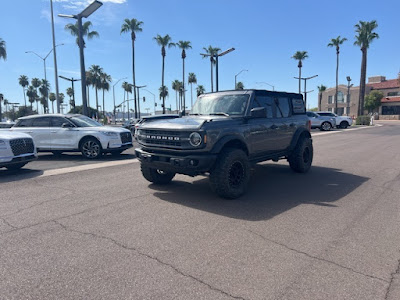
x=16 y=150
x=341 y=121
x=59 y=133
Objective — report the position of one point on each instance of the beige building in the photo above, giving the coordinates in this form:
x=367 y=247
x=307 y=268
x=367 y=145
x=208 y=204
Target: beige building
x=347 y=99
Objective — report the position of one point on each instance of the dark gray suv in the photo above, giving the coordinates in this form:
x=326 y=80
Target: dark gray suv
x=224 y=134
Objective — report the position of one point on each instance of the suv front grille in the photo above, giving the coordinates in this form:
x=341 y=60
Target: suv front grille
x=166 y=138
x=126 y=137
x=22 y=146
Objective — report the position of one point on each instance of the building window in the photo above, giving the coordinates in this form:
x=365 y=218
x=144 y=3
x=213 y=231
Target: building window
x=393 y=94
x=347 y=110
x=391 y=110
x=329 y=99
x=340 y=111
x=330 y=109
x=340 y=97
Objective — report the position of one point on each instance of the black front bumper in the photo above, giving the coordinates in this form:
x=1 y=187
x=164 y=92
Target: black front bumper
x=183 y=164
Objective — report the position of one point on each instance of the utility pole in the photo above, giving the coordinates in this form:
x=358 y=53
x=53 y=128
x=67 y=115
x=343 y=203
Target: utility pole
x=305 y=86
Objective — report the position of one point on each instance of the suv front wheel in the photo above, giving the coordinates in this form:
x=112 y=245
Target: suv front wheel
x=326 y=126
x=301 y=158
x=90 y=148
x=231 y=174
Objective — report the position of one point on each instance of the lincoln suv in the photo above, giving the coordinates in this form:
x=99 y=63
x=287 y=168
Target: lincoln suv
x=72 y=132
x=16 y=150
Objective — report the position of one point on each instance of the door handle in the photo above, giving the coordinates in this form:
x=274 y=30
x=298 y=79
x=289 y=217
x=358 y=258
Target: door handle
x=292 y=125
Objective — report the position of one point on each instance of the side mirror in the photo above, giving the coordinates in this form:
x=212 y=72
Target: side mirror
x=66 y=125
x=258 y=112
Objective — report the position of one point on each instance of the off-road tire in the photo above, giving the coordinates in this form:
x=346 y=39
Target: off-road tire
x=300 y=159
x=15 y=167
x=230 y=176
x=90 y=148
x=156 y=176
x=326 y=126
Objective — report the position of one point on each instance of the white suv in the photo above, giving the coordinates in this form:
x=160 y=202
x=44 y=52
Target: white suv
x=341 y=121
x=16 y=150
x=69 y=133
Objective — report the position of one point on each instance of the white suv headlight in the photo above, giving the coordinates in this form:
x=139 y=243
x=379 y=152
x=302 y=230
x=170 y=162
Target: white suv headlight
x=2 y=144
x=109 y=133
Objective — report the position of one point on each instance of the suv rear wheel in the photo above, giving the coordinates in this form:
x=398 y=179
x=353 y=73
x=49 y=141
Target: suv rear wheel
x=156 y=176
x=301 y=158
x=231 y=174
x=326 y=126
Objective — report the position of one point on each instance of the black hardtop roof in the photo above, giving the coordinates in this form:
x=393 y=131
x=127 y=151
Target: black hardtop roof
x=259 y=92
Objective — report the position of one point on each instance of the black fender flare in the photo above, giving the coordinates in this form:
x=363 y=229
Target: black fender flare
x=230 y=140
x=300 y=132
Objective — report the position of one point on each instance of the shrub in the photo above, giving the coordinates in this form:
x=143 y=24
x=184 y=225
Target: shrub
x=363 y=120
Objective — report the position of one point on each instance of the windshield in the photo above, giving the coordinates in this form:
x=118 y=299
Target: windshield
x=220 y=105
x=84 y=122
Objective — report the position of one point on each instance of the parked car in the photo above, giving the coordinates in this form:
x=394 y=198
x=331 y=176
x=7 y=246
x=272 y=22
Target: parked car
x=6 y=125
x=59 y=133
x=321 y=122
x=149 y=119
x=130 y=125
x=341 y=121
x=16 y=150
x=224 y=135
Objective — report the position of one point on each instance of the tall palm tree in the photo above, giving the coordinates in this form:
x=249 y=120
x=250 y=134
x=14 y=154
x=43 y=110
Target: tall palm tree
x=336 y=43
x=132 y=26
x=23 y=81
x=200 y=90
x=176 y=86
x=32 y=94
x=95 y=73
x=105 y=81
x=321 y=89
x=3 y=50
x=163 y=90
x=184 y=45
x=70 y=93
x=164 y=41
x=52 y=98
x=44 y=91
x=192 y=79
x=127 y=89
x=74 y=30
x=36 y=82
x=300 y=56
x=211 y=51
x=365 y=36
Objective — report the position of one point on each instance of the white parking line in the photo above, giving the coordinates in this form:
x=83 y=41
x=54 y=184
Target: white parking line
x=351 y=129
x=87 y=167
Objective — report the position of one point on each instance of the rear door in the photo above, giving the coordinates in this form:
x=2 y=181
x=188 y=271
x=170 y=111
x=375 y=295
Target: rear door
x=63 y=138
x=40 y=132
x=285 y=122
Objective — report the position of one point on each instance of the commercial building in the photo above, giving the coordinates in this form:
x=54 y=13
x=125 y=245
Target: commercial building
x=347 y=99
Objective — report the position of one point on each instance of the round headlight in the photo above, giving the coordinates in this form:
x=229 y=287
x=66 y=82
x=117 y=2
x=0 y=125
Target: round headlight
x=195 y=139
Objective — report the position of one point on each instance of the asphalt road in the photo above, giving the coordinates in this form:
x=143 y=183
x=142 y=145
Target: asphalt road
x=100 y=231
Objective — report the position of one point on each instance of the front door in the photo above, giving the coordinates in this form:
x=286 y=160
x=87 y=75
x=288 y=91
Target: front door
x=62 y=138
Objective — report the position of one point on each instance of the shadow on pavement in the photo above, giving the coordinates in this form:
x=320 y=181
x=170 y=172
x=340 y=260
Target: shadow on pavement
x=273 y=190
x=24 y=173
x=77 y=156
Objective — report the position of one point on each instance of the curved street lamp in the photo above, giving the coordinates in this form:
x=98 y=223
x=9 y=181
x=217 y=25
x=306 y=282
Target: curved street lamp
x=238 y=75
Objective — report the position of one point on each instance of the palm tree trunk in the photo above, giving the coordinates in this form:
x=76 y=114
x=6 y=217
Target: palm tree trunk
x=183 y=86
x=134 y=79
x=162 y=82
x=191 y=95
x=37 y=106
x=104 y=111
x=88 y=102
x=362 y=82
x=299 y=80
x=23 y=91
x=320 y=101
x=97 y=105
x=212 y=87
x=176 y=97
x=337 y=82
x=127 y=104
x=52 y=107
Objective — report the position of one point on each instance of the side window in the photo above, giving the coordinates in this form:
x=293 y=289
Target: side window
x=310 y=114
x=282 y=107
x=24 y=123
x=41 y=122
x=57 y=121
x=298 y=106
x=263 y=101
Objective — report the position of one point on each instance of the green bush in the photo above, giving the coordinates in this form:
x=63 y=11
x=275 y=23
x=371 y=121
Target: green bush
x=363 y=120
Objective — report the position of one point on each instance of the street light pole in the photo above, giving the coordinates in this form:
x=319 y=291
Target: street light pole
x=238 y=75
x=115 y=117
x=55 y=58
x=72 y=84
x=138 y=96
x=305 y=86
x=84 y=14
x=263 y=82
x=154 y=99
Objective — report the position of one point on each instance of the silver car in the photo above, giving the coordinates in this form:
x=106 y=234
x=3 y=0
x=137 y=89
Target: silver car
x=321 y=122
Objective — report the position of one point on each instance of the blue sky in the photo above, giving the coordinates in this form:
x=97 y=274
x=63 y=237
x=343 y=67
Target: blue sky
x=265 y=34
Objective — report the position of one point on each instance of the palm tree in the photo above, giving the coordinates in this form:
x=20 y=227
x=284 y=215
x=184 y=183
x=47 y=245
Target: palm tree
x=300 y=56
x=61 y=96
x=44 y=91
x=105 y=81
x=184 y=45
x=200 y=90
x=23 y=81
x=32 y=94
x=239 y=85
x=127 y=89
x=336 y=43
x=95 y=73
x=192 y=79
x=70 y=93
x=3 y=50
x=36 y=82
x=365 y=36
x=163 y=41
x=132 y=26
x=321 y=89
x=52 y=98
x=163 y=93
x=176 y=86
x=212 y=52
x=74 y=30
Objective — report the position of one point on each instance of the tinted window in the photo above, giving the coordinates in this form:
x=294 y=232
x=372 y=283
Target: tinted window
x=41 y=122
x=326 y=114
x=24 y=123
x=58 y=121
x=282 y=107
x=263 y=101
